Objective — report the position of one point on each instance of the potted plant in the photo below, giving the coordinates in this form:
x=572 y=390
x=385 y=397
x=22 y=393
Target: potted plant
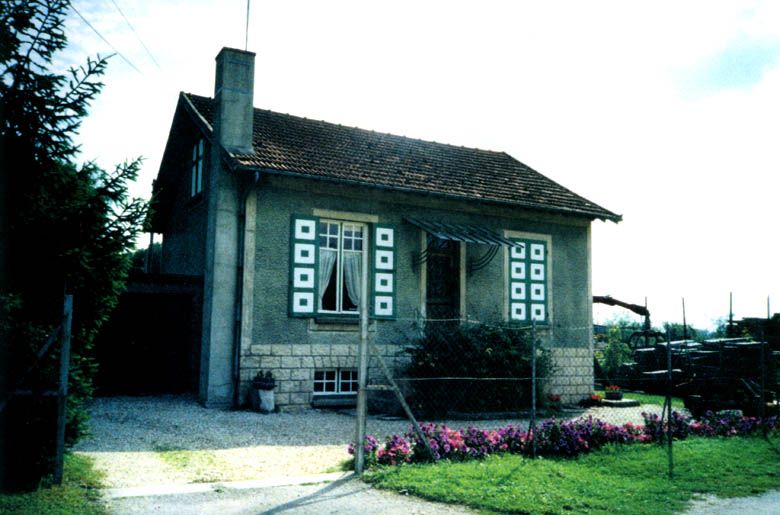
x=592 y=400
x=613 y=392
x=262 y=394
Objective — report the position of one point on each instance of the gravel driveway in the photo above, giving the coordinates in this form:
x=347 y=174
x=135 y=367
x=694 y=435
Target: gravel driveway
x=139 y=441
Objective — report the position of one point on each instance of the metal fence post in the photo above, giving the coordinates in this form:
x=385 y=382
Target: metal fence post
x=533 y=387
x=764 y=349
x=668 y=402
x=62 y=397
x=762 y=396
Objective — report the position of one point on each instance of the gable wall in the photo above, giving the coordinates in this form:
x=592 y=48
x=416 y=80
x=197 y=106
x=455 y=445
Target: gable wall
x=183 y=247
x=293 y=347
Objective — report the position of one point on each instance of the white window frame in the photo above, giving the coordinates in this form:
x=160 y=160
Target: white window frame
x=339 y=266
x=338 y=381
x=196 y=173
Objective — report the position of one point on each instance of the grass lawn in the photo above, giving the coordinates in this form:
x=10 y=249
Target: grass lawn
x=617 y=479
x=646 y=398
x=78 y=493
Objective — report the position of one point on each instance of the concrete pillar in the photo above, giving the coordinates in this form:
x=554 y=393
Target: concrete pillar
x=233 y=113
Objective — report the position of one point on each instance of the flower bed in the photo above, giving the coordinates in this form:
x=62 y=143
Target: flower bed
x=553 y=437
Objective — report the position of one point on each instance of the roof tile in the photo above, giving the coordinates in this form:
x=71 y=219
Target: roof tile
x=316 y=149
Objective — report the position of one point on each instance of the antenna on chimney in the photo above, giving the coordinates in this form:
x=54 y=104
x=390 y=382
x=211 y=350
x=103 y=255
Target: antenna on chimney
x=246 y=31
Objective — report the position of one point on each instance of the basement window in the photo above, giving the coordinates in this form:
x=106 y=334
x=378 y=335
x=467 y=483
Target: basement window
x=335 y=381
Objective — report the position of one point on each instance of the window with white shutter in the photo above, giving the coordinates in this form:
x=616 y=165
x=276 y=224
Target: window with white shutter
x=326 y=264
x=528 y=281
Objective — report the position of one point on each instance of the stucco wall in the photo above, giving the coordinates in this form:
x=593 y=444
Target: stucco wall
x=184 y=239
x=293 y=348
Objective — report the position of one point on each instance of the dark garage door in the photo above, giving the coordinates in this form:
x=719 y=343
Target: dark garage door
x=150 y=345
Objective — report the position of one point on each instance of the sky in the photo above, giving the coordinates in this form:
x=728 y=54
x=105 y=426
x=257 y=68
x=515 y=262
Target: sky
x=664 y=112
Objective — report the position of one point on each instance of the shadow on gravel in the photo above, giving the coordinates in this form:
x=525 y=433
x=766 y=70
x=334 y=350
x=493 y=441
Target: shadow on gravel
x=314 y=498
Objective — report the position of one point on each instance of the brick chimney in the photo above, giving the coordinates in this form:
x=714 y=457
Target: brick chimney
x=233 y=95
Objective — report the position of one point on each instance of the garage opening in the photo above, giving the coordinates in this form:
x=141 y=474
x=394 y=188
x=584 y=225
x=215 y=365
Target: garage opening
x=151 y=343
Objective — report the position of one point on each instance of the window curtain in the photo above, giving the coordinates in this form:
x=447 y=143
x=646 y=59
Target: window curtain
x=327 y=264
x=352 y=275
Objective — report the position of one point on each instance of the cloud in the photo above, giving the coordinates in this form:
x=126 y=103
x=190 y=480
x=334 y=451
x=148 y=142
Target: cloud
x=741 y=64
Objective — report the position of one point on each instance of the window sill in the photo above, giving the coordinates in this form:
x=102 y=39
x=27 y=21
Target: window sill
x=337 y=324
x=334 y=400
x=337 y=320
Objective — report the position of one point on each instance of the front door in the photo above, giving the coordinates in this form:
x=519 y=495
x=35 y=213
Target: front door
x=443 y=280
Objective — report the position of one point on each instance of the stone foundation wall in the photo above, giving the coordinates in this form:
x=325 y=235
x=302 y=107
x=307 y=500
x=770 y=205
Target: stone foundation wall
x=293 y=367
x=572 y=377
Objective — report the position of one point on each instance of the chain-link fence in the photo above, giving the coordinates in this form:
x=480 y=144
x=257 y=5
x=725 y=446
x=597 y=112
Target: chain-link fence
x=491 y=376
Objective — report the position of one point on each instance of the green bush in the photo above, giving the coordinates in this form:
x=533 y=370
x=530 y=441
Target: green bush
x=612 y=357
x=472 y=368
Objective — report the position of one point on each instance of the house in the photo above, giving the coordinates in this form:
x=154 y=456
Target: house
x=275 y=213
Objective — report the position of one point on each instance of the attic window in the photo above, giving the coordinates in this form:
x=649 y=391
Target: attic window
x=196 y=186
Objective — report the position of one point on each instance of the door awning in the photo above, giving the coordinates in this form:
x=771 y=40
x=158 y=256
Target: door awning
x=462 y=232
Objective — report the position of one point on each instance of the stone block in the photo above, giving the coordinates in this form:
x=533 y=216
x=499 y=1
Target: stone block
x=320 y=350
x=281 y=349
x=339 y=350
x=270 y=362
x=250 y=362
x=282 y=373
x=307 y=362
x=290 y=362
x=301 y=374
x=259 y=350
x=300 y=349
x=286 y=386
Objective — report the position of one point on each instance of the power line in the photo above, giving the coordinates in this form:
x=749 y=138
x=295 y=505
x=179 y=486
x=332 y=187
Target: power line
x=117 y=52
x=149 y=53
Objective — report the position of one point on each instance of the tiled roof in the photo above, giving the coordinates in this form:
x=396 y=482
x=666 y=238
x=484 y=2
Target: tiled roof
x=299 y=146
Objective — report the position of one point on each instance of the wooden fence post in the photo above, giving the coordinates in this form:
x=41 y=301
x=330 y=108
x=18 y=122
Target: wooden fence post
x=362 y=396
x=62 y=394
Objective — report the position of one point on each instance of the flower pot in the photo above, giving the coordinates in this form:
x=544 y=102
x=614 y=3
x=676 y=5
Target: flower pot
x=263 y=400
x=614 y=396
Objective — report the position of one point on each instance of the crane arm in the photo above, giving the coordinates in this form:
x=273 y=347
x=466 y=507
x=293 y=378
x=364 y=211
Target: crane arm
x=639 y=310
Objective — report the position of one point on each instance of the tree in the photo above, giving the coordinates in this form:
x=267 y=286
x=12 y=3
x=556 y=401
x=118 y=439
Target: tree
x=677 y=331
x=69 y=227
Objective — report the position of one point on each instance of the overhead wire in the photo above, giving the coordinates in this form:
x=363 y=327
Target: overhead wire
x=117 y=52
x=138 y=37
